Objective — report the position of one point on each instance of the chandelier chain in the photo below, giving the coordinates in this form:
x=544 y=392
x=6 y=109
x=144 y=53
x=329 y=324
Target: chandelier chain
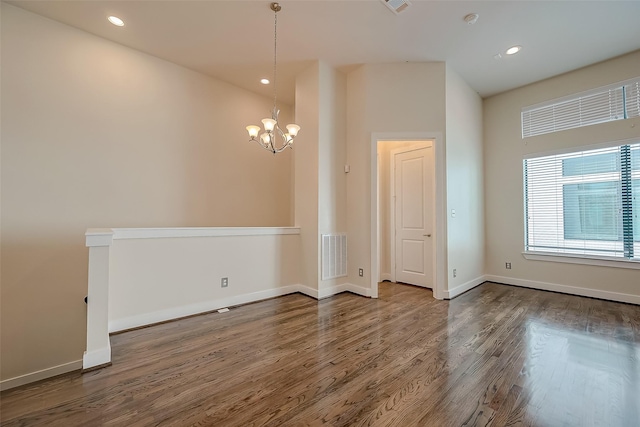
x=275 y=57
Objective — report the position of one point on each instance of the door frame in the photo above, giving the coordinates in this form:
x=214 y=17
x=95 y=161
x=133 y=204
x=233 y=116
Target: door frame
x=392 y=211
x=440 y=211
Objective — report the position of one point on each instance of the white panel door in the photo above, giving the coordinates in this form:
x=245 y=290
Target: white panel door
x=414 y=217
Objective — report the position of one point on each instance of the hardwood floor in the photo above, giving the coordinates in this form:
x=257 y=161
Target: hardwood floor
x=497 y=355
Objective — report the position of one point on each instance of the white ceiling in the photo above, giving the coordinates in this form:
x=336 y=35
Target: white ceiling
x=233 y=40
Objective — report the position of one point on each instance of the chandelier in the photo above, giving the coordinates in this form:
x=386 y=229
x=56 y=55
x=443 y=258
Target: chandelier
x=273 y=138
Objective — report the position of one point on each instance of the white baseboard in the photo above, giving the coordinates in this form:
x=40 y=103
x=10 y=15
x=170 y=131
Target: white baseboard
x=565 y=289
x=344 y=287
x=94 y=358
x=137 y=321
x=305 y=290
x=358 y=290
x=40 y=375
x=460 y=289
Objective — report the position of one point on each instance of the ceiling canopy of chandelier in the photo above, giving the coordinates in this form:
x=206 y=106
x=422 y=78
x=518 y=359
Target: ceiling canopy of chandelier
x=273 y=138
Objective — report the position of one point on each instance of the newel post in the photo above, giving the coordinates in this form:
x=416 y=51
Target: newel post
x=98 y=350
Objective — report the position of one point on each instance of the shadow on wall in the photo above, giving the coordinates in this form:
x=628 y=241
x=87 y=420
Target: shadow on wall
x=43 y=313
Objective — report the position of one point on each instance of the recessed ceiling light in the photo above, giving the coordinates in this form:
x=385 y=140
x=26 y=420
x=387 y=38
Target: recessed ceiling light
x=264 y=81
x=116 y=21
x=513 y=50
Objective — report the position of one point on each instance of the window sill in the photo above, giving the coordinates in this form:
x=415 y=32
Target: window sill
x=581 y=259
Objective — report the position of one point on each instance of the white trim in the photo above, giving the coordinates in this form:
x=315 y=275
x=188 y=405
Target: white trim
x=570 y=150
x=358 y=290
x=173 y=313
x=105 y=236
x=331 y=291
x=310 y=292
x=42 y=374
x=161 y=233
x=345 y=287
x=582 y=259
x=460 y=289
x=94 y=358
x=334 y=290
x=98 y=237
x=565 y=289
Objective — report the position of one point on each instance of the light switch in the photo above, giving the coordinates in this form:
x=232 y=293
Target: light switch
x=453 y=213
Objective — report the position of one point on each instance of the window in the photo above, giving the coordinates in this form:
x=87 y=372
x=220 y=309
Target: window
x=614 y=102
x=584 y=203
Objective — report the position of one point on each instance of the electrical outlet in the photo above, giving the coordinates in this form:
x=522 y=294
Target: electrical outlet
x=455 y=272
x=360 y=272
x=224 y=282
x=507 y=265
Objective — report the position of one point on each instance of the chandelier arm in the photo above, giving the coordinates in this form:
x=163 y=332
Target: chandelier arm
x=264 y=146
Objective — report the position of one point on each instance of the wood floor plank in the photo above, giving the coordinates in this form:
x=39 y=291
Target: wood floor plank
x=495 y=356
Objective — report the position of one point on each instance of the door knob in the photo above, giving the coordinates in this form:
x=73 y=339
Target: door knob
x=427 y=235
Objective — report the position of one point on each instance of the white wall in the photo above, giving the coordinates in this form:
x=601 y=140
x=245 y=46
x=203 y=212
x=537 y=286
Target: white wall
x=95 y=134
x=384 y=98
x=157 y=279
x=465 y=185
x=320 y=181
x=503 y=152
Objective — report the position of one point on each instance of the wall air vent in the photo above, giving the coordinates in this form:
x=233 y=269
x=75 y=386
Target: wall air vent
x=396 y=6
x=334 y=256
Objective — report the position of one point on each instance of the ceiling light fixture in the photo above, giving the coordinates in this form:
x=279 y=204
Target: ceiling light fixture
x=116 y=21
x=265 y=81
x=513 y=50
x=267 y=139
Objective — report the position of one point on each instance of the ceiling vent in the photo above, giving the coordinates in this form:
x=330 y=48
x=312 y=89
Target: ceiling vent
x=396 y=6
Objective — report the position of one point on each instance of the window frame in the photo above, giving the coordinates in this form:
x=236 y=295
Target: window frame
x=571 y=258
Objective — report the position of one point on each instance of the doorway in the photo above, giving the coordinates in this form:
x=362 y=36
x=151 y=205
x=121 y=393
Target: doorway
x=418 y=252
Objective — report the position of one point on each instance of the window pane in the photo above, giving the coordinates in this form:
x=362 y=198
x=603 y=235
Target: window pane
x=592 y=211
x=573 y=203
x=584 y=165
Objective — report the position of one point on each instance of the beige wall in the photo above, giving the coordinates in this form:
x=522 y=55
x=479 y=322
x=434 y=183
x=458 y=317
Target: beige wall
x=465 y=186
x=385 y=98
x=306 y=170
x=503 y=152
x=98 y=135
x=320 y=181
x=332 y=154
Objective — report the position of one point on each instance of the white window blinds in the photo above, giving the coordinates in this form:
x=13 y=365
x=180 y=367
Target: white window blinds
x=584 y=203
x=632 y=99
x=609 y=103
